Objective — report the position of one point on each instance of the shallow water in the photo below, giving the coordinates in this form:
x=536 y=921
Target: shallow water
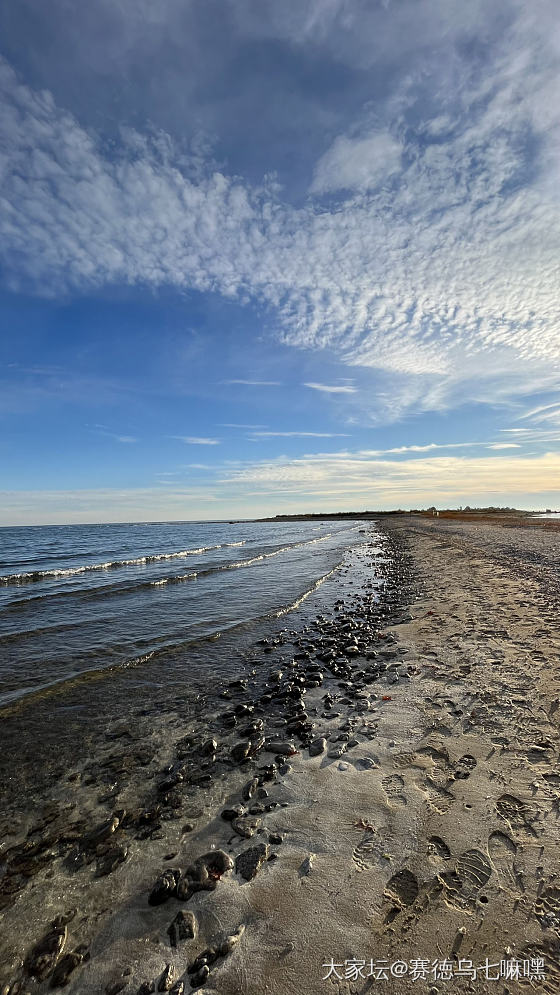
x=76 y=599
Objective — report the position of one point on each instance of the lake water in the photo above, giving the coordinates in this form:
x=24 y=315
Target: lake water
x=89 y=598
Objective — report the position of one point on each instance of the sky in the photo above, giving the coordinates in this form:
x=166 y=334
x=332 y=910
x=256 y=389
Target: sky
x=260 y=258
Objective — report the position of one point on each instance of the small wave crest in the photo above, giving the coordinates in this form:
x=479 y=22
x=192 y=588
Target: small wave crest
x=34 y=576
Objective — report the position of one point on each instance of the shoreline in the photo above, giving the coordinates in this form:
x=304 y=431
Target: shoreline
x=431 y=836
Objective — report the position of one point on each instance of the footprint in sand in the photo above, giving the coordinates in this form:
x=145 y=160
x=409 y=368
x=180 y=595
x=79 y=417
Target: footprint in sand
x=439 y=798
x=517 y=814
x=549 y=984
x=464 y=768
x=463 y=882
x=502 y=850
x=438 y=848
x=366 y=854
x=400 y=891
x=547 y=909
x=394 y=789
x=439 y=758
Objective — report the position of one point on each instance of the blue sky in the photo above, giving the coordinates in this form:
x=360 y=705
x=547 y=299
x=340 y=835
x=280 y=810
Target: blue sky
x=261 y=257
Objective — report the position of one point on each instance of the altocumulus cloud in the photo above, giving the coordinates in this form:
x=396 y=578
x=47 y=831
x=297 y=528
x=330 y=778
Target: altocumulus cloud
x=429 y=247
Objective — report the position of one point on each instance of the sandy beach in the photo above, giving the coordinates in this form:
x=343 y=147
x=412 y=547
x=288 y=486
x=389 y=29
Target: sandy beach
x=387 y=819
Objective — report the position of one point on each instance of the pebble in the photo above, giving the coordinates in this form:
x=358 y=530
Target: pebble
x=249 y=862
x=110 y=860
x=227 y=945
x=64 y=968
x=165 y=886
x=183 y=927
x=317 y=747
x=337 y=751
x=281 y=749
x=307 y=865
x=167 y=978
x=250 y=789
x=42 y=959
x=246 y=825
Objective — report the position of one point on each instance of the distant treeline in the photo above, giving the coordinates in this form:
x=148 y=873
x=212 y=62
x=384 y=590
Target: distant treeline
x=467 y=510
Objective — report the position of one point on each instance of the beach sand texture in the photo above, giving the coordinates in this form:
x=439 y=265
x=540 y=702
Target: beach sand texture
x=432 y=837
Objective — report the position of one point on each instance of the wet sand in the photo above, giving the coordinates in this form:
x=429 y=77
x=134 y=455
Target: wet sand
x=425 y=829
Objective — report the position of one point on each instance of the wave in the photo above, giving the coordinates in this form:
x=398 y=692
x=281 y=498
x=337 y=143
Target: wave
x=234 y=566
x=24 y=696
x=33 y=576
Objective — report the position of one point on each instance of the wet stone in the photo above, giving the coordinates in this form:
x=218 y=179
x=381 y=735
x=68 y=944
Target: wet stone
x=317 y=747
x=183 y=927
x=228 y=814
x=250 y=789
x=66 y=965
x=109 y=861
x=246 y=825
x=208 y=748
x=281 y=748
x=336 y=751
x=167 y=978
x=241 y=751
x=165 y=886
x=249 y=862
x=42 y=959
x=199 y=977
x=229 y=942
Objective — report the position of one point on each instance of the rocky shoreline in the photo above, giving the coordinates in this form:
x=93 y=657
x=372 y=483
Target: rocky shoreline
x=315 y=700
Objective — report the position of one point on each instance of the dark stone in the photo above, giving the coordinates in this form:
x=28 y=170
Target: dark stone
x=249 y=862
x=64 y=968
x=240 y=751
x=246 y=825
x=281 y=748
x=317 y=747
x=183 y=927
x=200 y=976
x=42 y=959
x=110 y=860
x=165 y=886
x=229 y=814
x=167 y=978
x=204 y=873
x=208 y=956
x=250 y=789
x=102 y=832
x=146 y=988
x=64 y=919
x=208 y=748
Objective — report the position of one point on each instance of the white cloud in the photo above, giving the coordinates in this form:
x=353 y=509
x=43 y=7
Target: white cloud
x=375 y=482
x=331 y=388
x=195 y=440
x=357 y=163
x=444 y=278
x=300 y=435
